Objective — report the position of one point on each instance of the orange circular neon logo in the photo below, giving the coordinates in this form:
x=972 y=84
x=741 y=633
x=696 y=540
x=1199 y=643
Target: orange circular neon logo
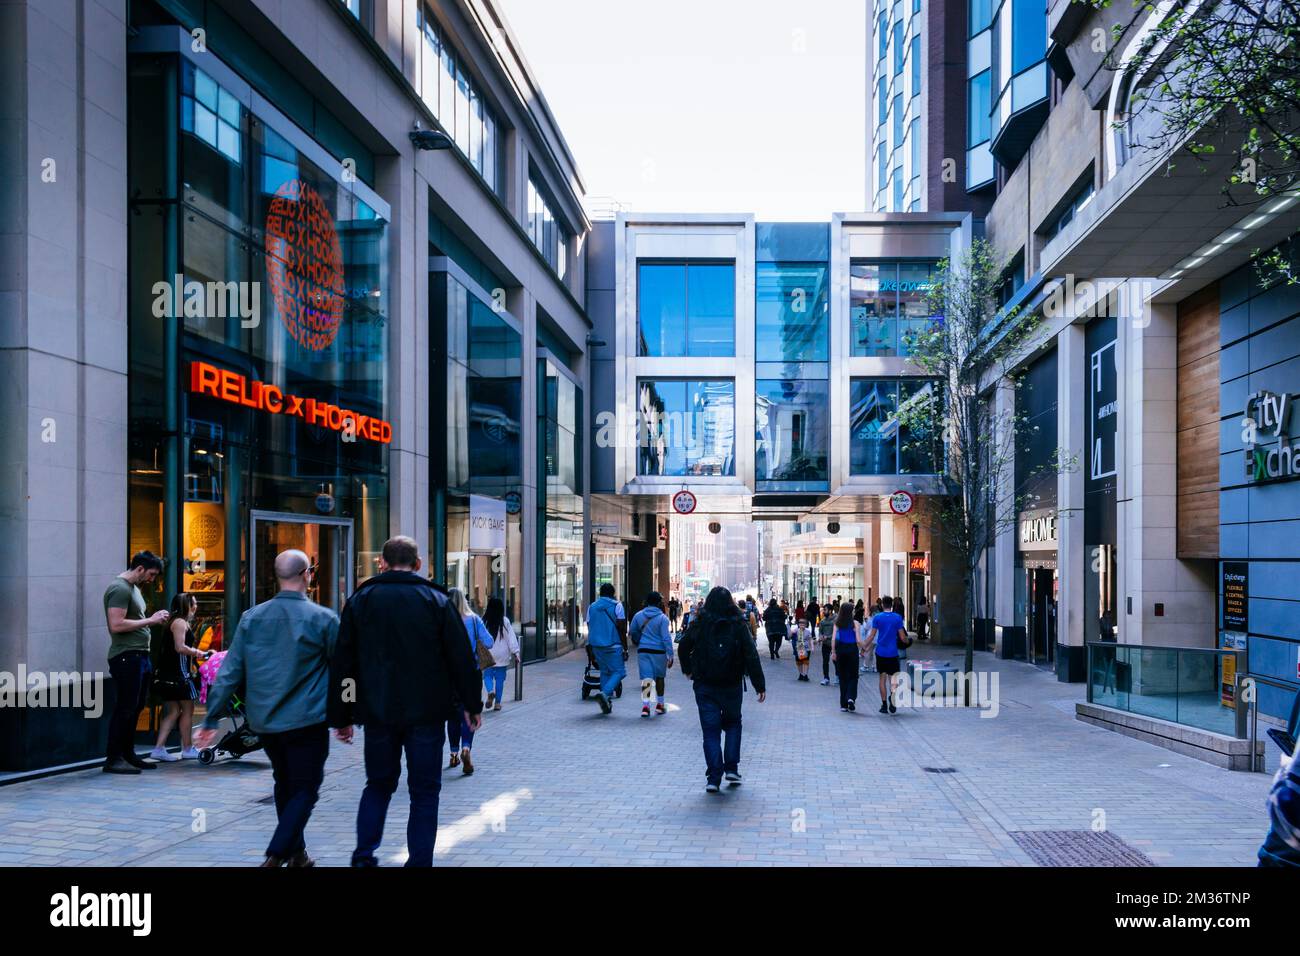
x=304 y=265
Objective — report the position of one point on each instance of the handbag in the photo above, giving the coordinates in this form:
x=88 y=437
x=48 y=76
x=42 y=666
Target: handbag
x=485 y=658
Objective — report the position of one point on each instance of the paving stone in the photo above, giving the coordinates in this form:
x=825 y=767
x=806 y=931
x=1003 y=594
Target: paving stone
x=577 y=789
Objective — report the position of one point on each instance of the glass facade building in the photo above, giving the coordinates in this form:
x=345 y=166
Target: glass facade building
x=897 y=181
x=475 y=401
x=889 y=303
x=686 y=308
x=258 y=345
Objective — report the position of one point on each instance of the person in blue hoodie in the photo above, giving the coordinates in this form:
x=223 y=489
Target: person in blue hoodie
x=606 y=645
x=654 y=645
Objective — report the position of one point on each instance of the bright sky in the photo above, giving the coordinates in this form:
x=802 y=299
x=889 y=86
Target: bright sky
x=707 y=105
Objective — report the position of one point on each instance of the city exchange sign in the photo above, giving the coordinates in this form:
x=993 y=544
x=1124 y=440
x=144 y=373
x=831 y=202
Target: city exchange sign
x=1266 y=421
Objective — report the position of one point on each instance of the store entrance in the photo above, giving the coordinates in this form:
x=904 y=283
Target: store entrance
x=327 y=542
x=1042 y=615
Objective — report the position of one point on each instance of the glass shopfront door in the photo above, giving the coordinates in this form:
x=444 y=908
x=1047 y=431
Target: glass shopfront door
x=327 y=543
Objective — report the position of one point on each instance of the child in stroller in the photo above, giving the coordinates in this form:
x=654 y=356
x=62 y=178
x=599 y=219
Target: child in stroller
x=240 y=739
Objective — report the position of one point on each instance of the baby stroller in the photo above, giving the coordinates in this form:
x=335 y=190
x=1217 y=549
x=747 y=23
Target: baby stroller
x=238 y=741
x=591 y=678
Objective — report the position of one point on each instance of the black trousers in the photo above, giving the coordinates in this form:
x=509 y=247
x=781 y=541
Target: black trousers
x=132 y=674
x=826 y=660
x=846 y=668
x=298 y=763
x=774 y=644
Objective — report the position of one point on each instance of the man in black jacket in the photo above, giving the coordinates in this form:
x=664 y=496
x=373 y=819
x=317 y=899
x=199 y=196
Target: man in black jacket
x=403 y=655
x=774 y=622
x=716 y=653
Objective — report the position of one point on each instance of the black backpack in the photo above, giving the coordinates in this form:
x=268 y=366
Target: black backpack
x=718 y=657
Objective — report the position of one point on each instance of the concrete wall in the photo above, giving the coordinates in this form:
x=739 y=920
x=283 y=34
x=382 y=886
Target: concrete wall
x=63 y=346
x=1048 y=175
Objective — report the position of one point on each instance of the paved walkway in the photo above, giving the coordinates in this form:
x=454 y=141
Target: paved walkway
x=558 y=784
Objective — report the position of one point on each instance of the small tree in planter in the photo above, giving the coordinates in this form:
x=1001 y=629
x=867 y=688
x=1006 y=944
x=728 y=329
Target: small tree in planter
x=970 y=345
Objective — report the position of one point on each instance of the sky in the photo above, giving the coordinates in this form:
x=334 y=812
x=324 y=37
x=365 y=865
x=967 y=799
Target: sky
x=707 y=105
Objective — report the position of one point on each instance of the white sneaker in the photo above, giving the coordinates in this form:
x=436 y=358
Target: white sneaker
x=189 y=754
x=159 y=753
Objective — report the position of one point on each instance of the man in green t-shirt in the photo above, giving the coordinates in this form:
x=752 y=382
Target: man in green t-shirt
x=128 y=659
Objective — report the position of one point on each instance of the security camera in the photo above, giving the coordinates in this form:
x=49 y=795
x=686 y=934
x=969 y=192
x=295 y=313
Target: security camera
x=430 y=139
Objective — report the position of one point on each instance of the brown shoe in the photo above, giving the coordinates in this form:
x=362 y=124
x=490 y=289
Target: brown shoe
x=492 y=696
x=466 y=764
x=272 y=861
x=497 y=706
x=301 y=859
x=455 y=760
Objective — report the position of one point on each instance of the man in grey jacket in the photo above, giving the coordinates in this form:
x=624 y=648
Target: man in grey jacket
x=278 y=665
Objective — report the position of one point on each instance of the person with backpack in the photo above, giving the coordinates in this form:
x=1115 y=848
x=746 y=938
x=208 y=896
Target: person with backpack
x=889 y=633
x=717 y=654
x=654 y=651
x=606 y=641
x=774 y=622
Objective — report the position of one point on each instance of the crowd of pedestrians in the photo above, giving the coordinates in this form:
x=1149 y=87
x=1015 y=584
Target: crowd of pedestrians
x=410 y=661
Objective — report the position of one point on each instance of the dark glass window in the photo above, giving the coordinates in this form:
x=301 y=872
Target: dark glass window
x=546 y=231
x=916 y=65
x=686 y=308
x=888 y=301
x=878 y=445
x=686 y=427
x=873 y=439
x=454 y=97
x=791 y=432
x=1078 y=201
x=1029 y=33
x=978 y=104
x=790 y=310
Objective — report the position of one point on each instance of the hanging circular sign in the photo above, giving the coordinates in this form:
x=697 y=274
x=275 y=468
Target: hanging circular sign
x=304 y=265
x=715 y=527
x=684 y=502
x=901 y=502
x=514 y=503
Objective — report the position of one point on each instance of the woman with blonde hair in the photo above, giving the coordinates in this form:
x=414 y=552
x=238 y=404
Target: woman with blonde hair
x=459 y=733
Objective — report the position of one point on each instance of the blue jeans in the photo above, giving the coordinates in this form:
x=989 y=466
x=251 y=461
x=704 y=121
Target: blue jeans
x=494 y=679
x=384 y=746
x=612 y=670
x=719 y=712
x=459 y=733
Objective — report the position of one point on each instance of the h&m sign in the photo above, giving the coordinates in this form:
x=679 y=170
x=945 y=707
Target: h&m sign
x=1038 y=531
